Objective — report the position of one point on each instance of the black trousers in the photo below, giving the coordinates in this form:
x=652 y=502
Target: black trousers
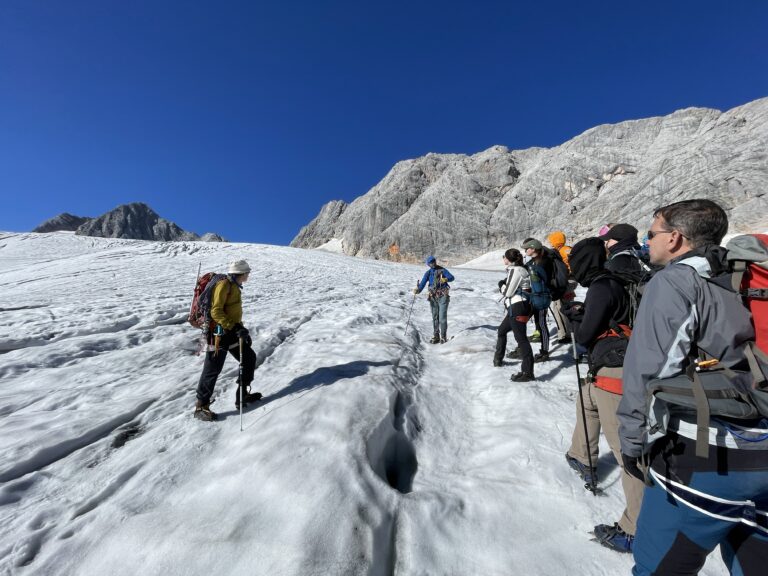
x=214 y=363
x=540 y=320
x=518 y=329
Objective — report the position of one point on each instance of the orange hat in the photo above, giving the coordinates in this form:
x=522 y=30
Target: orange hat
x=556 y=239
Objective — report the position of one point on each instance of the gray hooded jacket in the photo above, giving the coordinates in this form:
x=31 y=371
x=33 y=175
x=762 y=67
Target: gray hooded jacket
x=679 y=311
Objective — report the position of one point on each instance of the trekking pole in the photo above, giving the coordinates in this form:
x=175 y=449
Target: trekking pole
x=407 y=322
x=199 y=268
x=591 y=485
x=240 y=370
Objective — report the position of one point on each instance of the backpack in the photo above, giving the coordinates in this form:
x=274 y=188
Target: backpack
x=539 y=296
x=558 y=284
x=714 y=391
x=634 y=283
x=200 y=309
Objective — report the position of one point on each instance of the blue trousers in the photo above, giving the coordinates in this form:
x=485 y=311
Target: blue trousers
x=673 y=538
x=439 y=305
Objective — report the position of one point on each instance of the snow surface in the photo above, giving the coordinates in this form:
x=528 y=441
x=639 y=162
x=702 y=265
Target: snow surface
x=488 y=261
x=335 y=245
x=372 y=452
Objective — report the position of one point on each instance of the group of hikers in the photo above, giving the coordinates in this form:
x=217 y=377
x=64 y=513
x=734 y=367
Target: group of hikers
x=675 y=379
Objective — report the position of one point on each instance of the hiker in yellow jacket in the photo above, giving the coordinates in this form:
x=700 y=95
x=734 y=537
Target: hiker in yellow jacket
x=557 y=240
x=227 y=313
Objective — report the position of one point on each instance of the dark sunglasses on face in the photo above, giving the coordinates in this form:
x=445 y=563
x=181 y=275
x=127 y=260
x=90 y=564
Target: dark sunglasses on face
x=652 y=233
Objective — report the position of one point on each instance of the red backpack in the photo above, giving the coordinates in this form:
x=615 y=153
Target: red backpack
x=200 y=310
x=749 y=256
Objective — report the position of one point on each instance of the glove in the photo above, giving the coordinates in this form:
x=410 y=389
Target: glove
x=574 y=311
x=241 y=331
x=631 y=467
x=502 y=286
x=415 y=290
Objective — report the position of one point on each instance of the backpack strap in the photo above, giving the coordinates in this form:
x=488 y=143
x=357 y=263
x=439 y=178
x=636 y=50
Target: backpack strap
x=739 y=268
x=751 y=351
x=702 y=413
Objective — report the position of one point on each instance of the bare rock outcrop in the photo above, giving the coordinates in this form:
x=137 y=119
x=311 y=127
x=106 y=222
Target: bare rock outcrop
x=137 y=221
x=64 y=222
x=460 y=206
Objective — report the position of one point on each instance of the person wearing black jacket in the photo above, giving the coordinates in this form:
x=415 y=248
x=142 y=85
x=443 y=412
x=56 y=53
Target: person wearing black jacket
x=601 y=325
x=623 y=251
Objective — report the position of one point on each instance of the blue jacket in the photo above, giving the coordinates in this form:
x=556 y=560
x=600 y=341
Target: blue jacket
x=435 y=274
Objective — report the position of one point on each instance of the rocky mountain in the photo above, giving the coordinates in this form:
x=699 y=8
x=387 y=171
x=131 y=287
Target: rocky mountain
x=136 y=221
x=459 y=207
x=63 y=222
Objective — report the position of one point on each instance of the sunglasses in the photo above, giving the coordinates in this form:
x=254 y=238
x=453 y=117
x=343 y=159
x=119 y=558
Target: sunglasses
x=652 y=234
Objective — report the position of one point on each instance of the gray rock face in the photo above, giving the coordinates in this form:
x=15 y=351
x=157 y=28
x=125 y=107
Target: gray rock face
x=322 y=228
x=212 y=237
x=137 y=221
x=459 y=207
x=64 y=222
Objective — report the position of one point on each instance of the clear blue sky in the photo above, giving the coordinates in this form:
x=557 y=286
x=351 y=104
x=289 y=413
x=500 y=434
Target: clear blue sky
x=245 y=117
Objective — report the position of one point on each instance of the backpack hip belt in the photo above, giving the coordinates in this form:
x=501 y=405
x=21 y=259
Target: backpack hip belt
x=609 y=379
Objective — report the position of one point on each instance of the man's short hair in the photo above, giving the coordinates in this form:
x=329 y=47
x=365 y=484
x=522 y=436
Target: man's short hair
x=700 y=221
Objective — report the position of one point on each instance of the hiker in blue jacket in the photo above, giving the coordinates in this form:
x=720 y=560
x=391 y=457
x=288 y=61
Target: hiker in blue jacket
x=437 y=277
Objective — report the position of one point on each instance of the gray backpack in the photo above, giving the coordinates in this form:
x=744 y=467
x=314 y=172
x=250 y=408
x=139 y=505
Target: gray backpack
x=712 y=390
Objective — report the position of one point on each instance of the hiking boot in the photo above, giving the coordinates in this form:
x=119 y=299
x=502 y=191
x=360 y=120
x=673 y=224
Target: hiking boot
x=535 y=337
x=614 y=537
x=203 y=412
x=435 y=339
x=497 y=363
x=515 y=354
x=248 y=398
x=541 y=357
x=523 y=377
x=443 y=339
x=582 y=470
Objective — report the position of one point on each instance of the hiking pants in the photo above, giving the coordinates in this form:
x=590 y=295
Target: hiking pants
x=562 y=330
x=731 y=485
x=518 y=329
x=579 y=448
x=214 y=363
x=557 y=306
x=607 y=404
x=540 y=319
x=439 y=305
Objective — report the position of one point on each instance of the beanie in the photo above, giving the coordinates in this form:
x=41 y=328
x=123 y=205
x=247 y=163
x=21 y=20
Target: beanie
x=238 y=267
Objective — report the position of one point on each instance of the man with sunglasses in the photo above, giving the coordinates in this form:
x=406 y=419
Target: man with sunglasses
x=692 y=504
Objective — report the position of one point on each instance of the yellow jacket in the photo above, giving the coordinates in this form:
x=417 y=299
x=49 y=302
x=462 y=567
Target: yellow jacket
x=557 y=240
x=227 y=304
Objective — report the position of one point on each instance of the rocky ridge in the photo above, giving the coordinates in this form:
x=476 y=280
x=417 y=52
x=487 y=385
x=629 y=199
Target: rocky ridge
x=460 y=206
x=64 y=222
x=135 y=221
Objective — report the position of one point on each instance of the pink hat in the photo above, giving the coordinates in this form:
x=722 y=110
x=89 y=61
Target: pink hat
x=603 y=230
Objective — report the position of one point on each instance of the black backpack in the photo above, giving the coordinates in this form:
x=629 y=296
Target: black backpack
x=558 y=284
x=634 y=282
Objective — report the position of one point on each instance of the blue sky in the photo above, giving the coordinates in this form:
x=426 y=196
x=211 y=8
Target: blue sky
x=244 y=118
